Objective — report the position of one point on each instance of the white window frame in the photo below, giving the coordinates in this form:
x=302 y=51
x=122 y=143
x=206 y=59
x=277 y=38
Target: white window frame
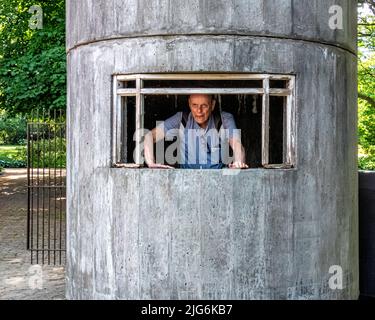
x=289 y=127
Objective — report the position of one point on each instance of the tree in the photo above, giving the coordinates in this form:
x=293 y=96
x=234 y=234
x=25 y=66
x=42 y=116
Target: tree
x=366 y=45
x=369 y=3
x=32 y=61
x=366 y=84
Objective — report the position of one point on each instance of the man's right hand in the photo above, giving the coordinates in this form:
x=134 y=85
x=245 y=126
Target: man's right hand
x=159 y=166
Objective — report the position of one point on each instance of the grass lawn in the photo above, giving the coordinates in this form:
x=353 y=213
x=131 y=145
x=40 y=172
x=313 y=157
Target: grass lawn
x=12 y=156
x=10 y=151
x=43 y=155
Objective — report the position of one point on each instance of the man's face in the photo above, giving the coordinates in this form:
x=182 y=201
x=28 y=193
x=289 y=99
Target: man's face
x=201 y=107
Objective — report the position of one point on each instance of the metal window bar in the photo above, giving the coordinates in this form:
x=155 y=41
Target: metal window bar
x=46 y=176
x=120 y=90
x=265 y=121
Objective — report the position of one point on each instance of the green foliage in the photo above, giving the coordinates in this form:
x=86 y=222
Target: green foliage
x=366 y=162
x=48 y=153
x=366 y=57
x=32 y=62
x=366 y=130
x=366 y=78
x=366 y=88
x=366 y=28
x=44 y=153
x=47 y=145
x=12 y=129
x=13 y=156
x=12 y=164
x=366 y=127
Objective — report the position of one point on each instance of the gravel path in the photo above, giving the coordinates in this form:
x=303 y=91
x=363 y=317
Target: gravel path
x=19 y=280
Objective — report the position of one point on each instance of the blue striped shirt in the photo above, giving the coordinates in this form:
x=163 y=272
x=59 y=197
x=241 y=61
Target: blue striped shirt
x=201 y=148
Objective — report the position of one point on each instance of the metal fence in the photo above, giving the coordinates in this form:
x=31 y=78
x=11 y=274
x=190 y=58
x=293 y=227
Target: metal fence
x=46 y=179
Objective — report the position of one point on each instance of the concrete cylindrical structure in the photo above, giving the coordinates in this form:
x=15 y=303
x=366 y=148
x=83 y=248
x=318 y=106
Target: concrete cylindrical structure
x=193 y=234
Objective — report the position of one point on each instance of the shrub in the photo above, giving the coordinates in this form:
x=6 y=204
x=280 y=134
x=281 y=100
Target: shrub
x=12 y=129
x=13 y=156
x=49 y=153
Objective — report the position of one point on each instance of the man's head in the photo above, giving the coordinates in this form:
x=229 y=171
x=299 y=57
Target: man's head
x=201 y=107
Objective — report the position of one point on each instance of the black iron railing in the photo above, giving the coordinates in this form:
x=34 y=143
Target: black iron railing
x=46 y=178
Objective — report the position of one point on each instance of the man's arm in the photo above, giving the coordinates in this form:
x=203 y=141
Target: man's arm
x=152 y=137
x=156 y=135
x=238 y=154
x=235 y=142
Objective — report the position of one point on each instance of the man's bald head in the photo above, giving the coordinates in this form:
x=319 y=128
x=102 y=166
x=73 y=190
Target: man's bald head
x=201 y=107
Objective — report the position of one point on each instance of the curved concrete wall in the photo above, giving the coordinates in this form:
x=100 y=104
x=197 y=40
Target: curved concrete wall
x=95 y=20
x=182 y=234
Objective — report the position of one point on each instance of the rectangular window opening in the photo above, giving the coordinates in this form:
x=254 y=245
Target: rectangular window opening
x=277 y=133
x=261 y=105
x=279 y=84
x=126 y=84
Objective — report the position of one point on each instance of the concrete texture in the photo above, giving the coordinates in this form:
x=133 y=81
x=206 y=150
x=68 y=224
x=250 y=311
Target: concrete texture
x=96 y=20
x=185 y=234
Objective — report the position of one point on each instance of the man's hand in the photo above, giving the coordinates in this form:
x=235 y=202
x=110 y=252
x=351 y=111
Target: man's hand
x=238 y=154
x=159 y=166
x=238 y=165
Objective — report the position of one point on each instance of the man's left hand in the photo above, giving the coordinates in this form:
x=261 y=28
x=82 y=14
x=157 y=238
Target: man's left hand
x=238 y=165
